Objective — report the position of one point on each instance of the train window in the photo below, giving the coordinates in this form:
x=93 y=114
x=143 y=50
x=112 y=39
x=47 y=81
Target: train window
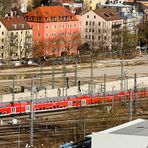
x=69 y=103
x=27 y=108
x=57 y=106
x=13 y=110
x=54 y=107
x=40 y=108
x=74 y=101
x=61 y=106
x=50 y=107
x=43 y=108
x=83 y=102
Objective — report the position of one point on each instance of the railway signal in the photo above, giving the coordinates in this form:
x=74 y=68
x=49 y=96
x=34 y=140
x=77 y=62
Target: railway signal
x=67 y=82
x=79 y=86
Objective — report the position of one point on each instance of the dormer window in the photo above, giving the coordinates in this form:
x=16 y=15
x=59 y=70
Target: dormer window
x=26 y=18
x=23 y=26
x=39 y=19
x=15 y=26
x=53 y=19
x=47 y=19
x=31 y=18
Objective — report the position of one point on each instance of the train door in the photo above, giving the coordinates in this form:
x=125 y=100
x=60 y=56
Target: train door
x=83 y=102
x=69 y=103
x=13 y=110
x=27 y=108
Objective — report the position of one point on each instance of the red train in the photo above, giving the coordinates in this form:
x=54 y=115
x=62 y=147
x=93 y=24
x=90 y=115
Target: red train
x=57 y=103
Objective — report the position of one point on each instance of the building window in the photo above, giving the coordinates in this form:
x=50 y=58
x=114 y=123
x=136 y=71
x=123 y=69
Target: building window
x=46 y=34
x=31 y=18
x=92 y=37
x=105 y=38
x=39 y=19
x=86 y=30
x=26 y=18
x=2 y=33
x=94 y=16
x=75 y=25
x=99 y=30
x=86 y=36
x=46 y=27
x=89 y=36
x=99 y=37
x=93 y=23
x=53 y=19
x=2 y=40
x=47 y=19
x=2 y=47
x=54 y=26
x=38 y=34
x=89 y=23
x=53 y=34
x=86 y=23
x=87 y=16
x=93 y=30
x=99 y=23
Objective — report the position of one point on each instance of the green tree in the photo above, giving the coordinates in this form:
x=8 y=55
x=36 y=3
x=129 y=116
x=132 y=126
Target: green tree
x=143 y=33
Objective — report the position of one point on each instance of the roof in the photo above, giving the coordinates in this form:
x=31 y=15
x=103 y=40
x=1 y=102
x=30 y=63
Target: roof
x=15 y=23
x=125 y=135
x=107 y=14
x=49 y=12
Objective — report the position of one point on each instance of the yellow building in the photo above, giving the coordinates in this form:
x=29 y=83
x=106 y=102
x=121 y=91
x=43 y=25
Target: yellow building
x=91 y=4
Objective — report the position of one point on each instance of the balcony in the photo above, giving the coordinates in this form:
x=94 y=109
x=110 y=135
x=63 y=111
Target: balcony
x=28 y=35
x=116 y=26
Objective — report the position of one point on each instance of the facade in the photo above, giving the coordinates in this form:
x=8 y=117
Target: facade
x=130 y=15
x=74 y=5
x=97 y=27
x=15 y=38
x=55 y=30
x=92 y=4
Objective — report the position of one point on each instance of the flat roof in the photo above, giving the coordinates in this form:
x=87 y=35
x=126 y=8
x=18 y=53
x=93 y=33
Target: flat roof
x=138 y=129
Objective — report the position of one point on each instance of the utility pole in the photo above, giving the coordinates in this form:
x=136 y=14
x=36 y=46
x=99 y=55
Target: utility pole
x=41 y=75
x=130 y=106
x=13 y=89
x=122 y=75
x=76 y=71
x=64 y=75
x=19 y=137
x=32 y=112
x=135 y=92
x=91 y=74
x=53 y=75
x=104 y=93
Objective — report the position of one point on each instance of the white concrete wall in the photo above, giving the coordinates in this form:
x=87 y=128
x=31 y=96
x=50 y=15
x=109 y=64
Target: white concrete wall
x=141 y=82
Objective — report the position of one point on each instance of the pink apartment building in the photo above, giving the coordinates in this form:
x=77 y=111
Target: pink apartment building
x=55 y=30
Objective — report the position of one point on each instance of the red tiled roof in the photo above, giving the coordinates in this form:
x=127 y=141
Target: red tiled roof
x=15 y=23
x=49 y=12
x=107 y=14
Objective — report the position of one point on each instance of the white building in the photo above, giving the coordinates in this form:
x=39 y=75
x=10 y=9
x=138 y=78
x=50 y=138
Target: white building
x=133 y=134
x=97 y=27
x=15 y=38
